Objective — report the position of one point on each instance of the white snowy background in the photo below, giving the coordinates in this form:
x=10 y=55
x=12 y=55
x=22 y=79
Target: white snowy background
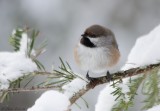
x=62 y=22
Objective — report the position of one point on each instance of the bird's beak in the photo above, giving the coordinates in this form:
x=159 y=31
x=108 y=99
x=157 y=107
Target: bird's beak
x=83 y=35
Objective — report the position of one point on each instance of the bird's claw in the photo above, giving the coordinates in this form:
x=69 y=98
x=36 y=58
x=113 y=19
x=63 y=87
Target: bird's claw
x=91 y=80
x=109 y=76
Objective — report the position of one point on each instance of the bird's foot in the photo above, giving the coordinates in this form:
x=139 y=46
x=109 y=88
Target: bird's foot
x=109 y=76
x=92 y=81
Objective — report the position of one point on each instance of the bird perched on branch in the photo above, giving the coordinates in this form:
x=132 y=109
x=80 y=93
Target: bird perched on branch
x=97 y=51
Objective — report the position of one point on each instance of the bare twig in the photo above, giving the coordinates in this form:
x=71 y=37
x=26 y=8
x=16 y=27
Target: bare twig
x=17 y=90
x=45 y=73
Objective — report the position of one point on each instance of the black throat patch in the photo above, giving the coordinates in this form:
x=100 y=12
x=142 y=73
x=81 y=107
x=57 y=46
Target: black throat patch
x=86 y=42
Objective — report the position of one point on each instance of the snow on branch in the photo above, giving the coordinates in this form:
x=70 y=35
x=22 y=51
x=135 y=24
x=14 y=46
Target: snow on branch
x=51 y=101
x=17 y=65
x=155 y=108
x=118 y=75
x=14 y=65
x=144 y=52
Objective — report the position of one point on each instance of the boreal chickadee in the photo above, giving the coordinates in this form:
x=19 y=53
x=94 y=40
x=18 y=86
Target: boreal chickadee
x=97 y=51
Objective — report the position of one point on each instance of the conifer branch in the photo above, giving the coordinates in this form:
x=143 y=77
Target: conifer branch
x=117 y=75
x=89 y=86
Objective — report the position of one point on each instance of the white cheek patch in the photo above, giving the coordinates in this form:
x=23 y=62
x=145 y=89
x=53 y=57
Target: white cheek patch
x=94 y=40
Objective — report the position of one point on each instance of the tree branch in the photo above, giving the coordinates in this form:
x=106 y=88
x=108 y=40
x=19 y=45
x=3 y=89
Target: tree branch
x=97 y=81
x=117 y=75
x=17 y=90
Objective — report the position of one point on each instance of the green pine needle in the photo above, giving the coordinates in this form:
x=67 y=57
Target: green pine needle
x=151 y=89
x=122 y=104
x=15 y=39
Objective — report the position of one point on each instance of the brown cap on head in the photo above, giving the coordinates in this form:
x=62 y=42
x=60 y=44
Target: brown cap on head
x=97 y=31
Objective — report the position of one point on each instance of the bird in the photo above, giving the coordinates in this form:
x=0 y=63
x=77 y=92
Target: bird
x=97 y=50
